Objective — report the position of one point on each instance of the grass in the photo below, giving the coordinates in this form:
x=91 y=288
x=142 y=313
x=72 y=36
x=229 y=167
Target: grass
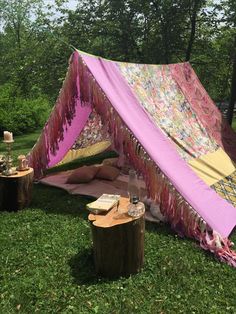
x=46 y=264
x=22 y=144
x=234 y=124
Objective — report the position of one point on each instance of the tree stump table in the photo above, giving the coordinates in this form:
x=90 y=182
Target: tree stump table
x=118 y=241
x=15 y=190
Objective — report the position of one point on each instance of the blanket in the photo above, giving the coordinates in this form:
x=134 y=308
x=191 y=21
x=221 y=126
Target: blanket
x=94 y=188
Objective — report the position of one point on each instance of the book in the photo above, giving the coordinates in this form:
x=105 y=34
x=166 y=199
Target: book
x=104 y=203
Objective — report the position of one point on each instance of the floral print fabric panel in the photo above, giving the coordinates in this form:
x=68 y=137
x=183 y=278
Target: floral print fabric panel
x=161 y=97
x=209 y=115
x=92 y=133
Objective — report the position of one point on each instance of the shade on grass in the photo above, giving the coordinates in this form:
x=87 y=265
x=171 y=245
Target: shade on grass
x=46 y=264
x=234 y=124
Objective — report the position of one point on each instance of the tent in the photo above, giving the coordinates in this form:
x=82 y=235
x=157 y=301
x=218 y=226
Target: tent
x=163 y=121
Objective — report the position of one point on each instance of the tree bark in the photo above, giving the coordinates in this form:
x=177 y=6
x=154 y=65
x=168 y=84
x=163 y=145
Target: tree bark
x=193 y=19
x=118 y=241
x=119 y=250
x=15 y=191
x=230 y=111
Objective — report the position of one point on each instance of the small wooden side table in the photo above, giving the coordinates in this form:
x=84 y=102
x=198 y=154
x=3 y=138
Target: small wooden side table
x=15 y=190
x=118 y=241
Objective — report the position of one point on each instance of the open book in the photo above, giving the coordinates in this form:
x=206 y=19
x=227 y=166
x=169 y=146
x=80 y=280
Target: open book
x=103 y=203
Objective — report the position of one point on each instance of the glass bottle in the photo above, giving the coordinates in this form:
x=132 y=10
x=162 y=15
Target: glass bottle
x=133 y=188
x=135 y=208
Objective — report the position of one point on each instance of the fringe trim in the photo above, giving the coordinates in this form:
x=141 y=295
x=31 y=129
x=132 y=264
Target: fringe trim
x=60 y=118
x=182 y=217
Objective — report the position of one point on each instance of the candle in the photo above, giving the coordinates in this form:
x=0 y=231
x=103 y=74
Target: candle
x=22 y=162
x=8 y=136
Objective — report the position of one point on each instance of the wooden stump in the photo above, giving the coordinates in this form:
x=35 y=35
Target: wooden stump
x=118 y=242
x=15 y=190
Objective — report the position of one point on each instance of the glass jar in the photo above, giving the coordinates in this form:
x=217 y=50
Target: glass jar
x=136 y=209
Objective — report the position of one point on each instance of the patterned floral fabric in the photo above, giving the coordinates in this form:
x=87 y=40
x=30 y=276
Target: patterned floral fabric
x=227 y=188
x=161 y=97
x=209 y=115
x=92 y=133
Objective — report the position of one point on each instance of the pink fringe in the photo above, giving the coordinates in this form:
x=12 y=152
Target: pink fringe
x=178 y=212
x=60 y=118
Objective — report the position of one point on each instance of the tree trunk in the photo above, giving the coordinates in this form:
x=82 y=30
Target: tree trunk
x=15 y=191
x=119 y=250
x=193 y=18
x=118 y=242
x=230 y=111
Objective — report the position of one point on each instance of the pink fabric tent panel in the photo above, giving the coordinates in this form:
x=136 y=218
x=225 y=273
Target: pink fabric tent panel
x=70 y=134
x=72 y=131
x=219 y=214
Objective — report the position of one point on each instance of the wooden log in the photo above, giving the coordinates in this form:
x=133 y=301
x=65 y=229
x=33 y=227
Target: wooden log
x=16 y=190
x=118 y=243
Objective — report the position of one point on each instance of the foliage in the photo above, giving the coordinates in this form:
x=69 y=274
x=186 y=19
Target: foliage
x=46 y=264
x=27 y=59
x=35 y=43
x=234 y=124
x=21 y=115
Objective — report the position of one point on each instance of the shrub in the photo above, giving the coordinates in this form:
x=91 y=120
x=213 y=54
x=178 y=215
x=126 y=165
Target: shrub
x=20 y=115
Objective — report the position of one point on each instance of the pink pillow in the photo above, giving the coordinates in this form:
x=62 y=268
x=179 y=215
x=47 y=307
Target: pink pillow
x=107 y=173
x=82 y=175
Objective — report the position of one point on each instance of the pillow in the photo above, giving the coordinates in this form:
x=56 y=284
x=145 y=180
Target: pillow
x=82 y=175
x=107 y=173
x=110 y=162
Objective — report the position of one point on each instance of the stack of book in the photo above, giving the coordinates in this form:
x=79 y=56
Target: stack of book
x=104 y=203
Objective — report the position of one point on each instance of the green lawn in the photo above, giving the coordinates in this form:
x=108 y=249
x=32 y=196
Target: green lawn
x=46 y=264
x=234 y=124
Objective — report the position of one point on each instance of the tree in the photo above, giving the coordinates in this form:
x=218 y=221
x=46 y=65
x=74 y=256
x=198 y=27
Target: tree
x=31 y=45
x=33 y=40
x=232 y=100
x=193 y=8
x=230 y=9
x=16 y=16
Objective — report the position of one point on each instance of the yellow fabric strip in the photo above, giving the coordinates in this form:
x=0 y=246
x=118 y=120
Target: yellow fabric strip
x=85 y=152
x=212 y=167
